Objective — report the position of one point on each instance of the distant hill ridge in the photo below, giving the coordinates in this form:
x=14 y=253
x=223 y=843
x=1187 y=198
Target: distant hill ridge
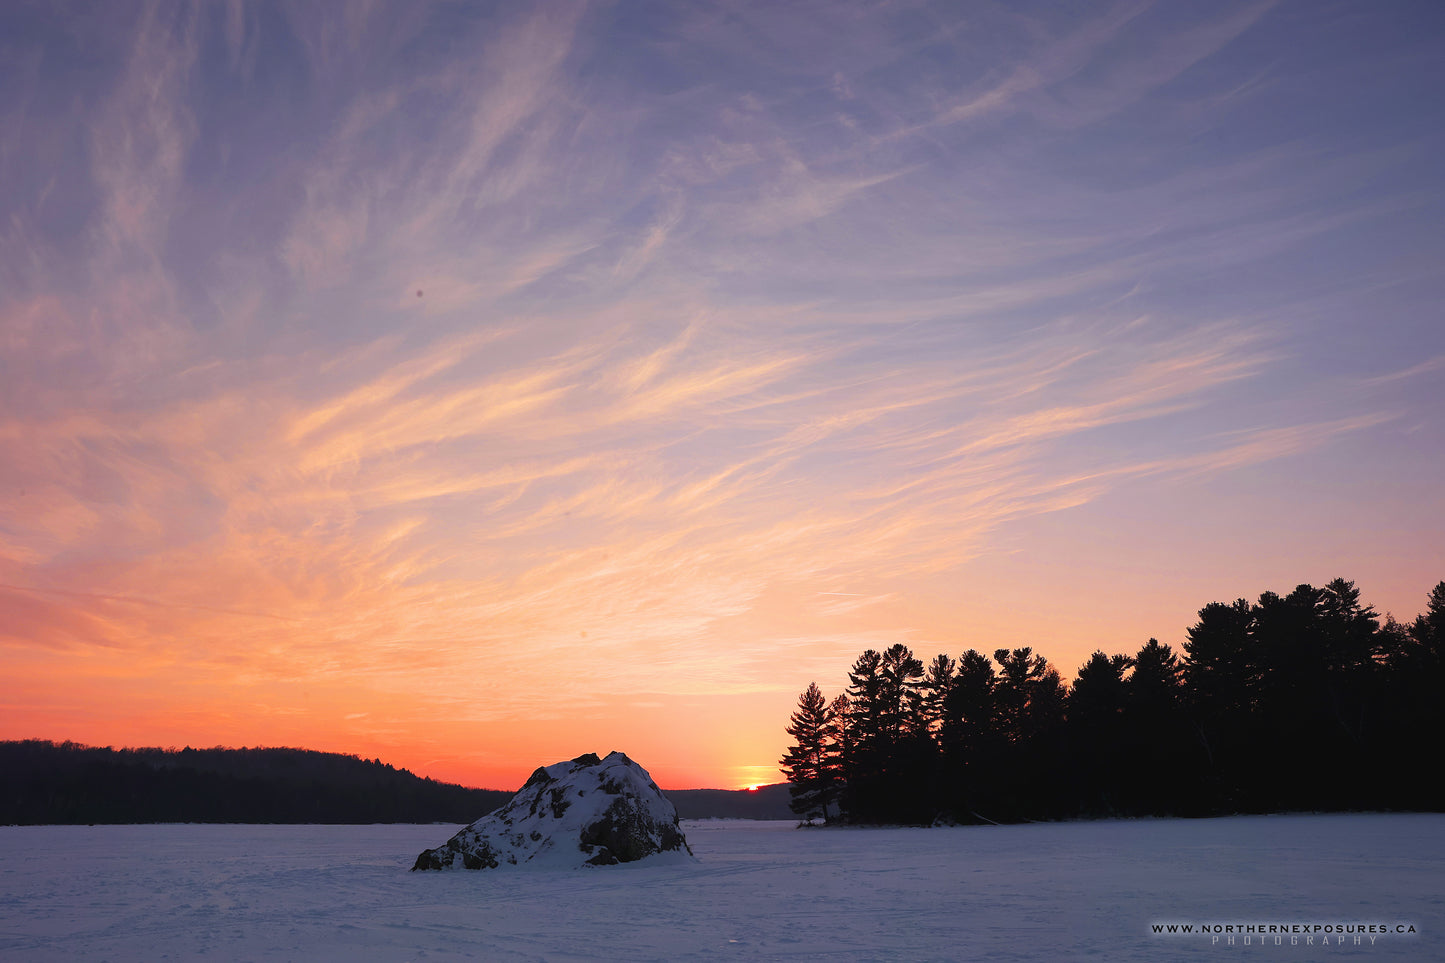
x=765 y=802
x=68 y=783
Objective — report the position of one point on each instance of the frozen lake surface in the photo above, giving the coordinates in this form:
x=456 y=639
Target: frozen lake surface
x=760 y=891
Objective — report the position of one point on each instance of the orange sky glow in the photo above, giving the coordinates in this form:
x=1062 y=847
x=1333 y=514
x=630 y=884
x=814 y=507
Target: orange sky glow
x=476 y=387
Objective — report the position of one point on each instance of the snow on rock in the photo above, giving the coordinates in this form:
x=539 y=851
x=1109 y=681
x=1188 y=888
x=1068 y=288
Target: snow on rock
x=586 y=812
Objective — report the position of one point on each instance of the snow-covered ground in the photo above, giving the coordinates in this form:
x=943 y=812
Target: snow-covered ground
x=760 y=891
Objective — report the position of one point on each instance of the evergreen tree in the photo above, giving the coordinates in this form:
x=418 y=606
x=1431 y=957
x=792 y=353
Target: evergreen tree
x=1029 y=699
x=1098 y=731
x=1414 y=678
x=891 y=759
x=865 y=792
x=900 y=694
x=1348 y=637
x=1217 y=667
x=865 y=695
x=1030 y=694
x=969 y=737
x=1428 y=635
x=1220 y=675
x=1155 y=683
x=1428 y=631
x=1098 y=693
x=808 y=763
x=840 y=735
x=1313 y=652
x=936 y=682
x=1161 y=778
x=910 y=770
x=968 y=710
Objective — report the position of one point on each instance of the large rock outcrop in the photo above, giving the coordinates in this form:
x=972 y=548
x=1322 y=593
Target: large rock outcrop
x=586 y=812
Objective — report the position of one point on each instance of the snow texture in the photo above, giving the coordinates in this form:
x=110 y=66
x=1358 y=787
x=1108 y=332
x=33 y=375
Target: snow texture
x=760 y=891
x=586 y=812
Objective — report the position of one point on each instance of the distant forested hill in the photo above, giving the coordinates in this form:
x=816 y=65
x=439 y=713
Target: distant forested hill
x=66 y=783
x=56 y=783
x=765 y=802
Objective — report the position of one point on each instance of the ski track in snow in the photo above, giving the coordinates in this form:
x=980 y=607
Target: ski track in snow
x=760 y=891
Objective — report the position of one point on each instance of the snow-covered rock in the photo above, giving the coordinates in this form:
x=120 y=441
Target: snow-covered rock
x=586 y=812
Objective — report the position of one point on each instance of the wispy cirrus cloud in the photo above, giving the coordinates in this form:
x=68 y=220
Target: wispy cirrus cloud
x=395 y=352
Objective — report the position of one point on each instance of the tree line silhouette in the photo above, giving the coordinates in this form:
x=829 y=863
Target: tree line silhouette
x=1299 y=702
x=66 y=783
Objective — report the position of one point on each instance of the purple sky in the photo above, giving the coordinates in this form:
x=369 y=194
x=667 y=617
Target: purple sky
x=476 y=385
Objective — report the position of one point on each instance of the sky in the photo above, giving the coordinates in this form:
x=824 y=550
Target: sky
x=476 y=385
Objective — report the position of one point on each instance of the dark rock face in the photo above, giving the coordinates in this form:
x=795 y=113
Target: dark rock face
x=585 y=812
x=624 y=834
